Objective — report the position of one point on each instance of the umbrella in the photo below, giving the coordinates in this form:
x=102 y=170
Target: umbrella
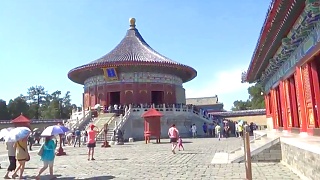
x=4 y=132
x=52 y=131
x=64 y=129
x=35 y=129
x=240 y=122
x=97 y=106
x=17 y=134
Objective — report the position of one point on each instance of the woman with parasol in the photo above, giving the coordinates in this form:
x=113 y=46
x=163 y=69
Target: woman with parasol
x=47 y=149
x=19 y=136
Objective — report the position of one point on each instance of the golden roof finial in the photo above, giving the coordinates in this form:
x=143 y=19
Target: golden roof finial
x=132 y=22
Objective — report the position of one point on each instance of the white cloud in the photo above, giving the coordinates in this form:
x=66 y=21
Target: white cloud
x=225 y=83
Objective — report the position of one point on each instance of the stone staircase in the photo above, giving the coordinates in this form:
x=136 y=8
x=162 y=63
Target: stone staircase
x=102 y=120
x=258 y=144
x=111 y=127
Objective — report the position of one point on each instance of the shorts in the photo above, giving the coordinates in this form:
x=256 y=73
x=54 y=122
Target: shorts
x=91 y=145
x=13 y=163
x=48 y=163
x=173 y=140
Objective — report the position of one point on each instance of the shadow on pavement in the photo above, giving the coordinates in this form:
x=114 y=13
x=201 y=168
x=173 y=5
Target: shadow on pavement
x=92 y=178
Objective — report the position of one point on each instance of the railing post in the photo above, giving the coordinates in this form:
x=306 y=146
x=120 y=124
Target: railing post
x=247 y=155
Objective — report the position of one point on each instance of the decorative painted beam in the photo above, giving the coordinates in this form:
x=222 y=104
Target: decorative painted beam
x=304 y=48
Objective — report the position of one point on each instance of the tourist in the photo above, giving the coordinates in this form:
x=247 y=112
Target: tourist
x=194 y=130
x=31 y=141
x=218 y=131
x=77 y=134
x=91 y=143
x=240 y=129
x=236 y=127
x=190 y=131
x=47 y=153
x=205 y=129
x=22 y=156
x=180 y=145
x=12 y=158
x=85 y=136
x=173 y=135
x=69 y=138
x=210 y=129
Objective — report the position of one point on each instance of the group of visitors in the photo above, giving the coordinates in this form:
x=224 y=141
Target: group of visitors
x=18 y=152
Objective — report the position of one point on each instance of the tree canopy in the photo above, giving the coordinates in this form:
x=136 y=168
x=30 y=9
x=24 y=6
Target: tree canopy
x=38 y=104
x=255 y=100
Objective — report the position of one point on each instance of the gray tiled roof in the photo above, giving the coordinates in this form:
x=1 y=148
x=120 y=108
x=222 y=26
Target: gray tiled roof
x=134 y=48
x=132 y=51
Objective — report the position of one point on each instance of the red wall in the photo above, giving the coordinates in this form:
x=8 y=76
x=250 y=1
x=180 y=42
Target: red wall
x=130 y=93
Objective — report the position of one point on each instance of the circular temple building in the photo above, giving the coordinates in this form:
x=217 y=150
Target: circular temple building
x=132 y=73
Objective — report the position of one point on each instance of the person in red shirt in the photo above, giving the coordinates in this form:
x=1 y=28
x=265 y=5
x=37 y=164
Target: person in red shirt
x=173 y=134
x=91 y=143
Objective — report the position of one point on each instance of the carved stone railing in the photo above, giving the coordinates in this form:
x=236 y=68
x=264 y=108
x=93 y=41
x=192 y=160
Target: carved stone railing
x=72 y=124
x=123 y=118
x=175 y=108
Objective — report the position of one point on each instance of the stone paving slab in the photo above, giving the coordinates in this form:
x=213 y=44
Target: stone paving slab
x=155 y=161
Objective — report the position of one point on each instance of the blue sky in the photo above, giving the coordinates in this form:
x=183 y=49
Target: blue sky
x=40 y=41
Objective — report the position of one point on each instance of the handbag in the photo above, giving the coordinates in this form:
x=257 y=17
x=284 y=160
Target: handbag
x=28 y=156
x=40 y=151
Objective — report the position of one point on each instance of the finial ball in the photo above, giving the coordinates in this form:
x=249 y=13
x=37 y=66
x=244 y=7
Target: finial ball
x=132 y=21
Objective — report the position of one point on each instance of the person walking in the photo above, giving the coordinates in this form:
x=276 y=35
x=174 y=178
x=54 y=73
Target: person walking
x=91 y=143
x=47 y=154
x=194 y=130
x=180 y=145
x=77 y=134
x=22 y=156
x=173 y=134
x=12 y=159
x=218 y=131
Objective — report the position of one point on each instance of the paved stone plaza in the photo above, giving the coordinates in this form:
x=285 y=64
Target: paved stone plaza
x=155 y=161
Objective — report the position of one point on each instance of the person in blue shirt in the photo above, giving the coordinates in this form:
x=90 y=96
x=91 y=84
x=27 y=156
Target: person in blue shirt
x=47 y=153
x=77 y=138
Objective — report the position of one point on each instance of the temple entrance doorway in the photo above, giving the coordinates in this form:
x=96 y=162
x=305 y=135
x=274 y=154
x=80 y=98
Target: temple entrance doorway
x=157 y=97
x=114 y=98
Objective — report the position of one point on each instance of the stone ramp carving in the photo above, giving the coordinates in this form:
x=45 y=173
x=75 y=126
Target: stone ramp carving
x=261 y=143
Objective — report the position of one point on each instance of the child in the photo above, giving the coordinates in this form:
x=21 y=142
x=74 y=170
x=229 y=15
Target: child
x=47 y=156
x=180 y=143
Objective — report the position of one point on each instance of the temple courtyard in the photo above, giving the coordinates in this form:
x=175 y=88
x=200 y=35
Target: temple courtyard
x=153 y=161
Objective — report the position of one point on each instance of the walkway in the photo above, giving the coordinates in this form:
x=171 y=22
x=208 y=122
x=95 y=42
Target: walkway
x=155 y=161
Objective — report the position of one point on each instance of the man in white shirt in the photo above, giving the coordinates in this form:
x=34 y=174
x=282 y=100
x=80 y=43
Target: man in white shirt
x=194 y=130
x=12 y=159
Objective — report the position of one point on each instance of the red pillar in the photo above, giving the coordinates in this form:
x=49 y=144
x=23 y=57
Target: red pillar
x=283 y=106
x=316 y=89
x=274 y=109
x=300 y=95
x=293 y=103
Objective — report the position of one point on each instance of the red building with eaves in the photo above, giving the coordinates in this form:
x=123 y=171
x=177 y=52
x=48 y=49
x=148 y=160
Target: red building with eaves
x=286 y=62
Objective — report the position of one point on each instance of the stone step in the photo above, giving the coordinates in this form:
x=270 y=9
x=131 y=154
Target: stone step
x=237 y=155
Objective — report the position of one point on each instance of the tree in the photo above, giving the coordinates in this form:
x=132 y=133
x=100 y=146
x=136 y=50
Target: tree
x=38 y=104
x=241 y=105
x=256 y=96
x=17 y=106
x=255 y=101
x=4 y=113
x=36 y=94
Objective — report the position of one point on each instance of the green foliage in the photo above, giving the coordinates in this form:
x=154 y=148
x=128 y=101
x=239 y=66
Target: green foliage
x=255 y=101
x=4 y=113
x=38 y=104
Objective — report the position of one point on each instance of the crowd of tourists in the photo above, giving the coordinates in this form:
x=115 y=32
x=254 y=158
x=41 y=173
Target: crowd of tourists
x=18 y=152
